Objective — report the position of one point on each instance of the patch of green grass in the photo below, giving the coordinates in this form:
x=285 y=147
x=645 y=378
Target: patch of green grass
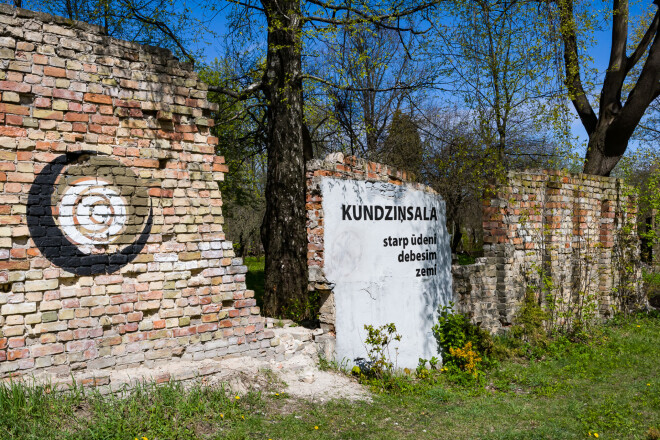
x=465 y=259
x=609 y=385
x=255 y=277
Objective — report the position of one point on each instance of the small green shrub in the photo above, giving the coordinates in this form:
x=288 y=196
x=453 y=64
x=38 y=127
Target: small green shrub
x=652 y=287
x=378 y=348
x=466 y=348
x=455 y=330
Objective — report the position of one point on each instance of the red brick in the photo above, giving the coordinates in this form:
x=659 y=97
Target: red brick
x=126 y=103
x=74 y=346
x=146 y=163
x=213 y=317
x=132 y=327
x=14 y=109
x=135 y=316
x=20 y=177
x=79 y=127
x=17 y=342
x=54 y=71
x=47 y=114
x=3 y=343
x=67 y=94
x=187 y=331
x=37 y=58
x=42 y=102
x=76 y=117
x=13 y=131
x=14 y=120
x=18 y=253
x=46 y=350
x=105 y=120
x=211 y=327
x=186 y=128
x=15 y=86
x=99 y=99
x=17 y=354
x=71 y=303
x=146 y=296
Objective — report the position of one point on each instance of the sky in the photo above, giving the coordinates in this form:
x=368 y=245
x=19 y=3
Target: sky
x=211 y=48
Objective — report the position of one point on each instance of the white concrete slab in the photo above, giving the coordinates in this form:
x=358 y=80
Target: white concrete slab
x=387 y=252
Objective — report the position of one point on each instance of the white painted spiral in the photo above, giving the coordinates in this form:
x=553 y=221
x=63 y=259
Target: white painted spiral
x=91 y=213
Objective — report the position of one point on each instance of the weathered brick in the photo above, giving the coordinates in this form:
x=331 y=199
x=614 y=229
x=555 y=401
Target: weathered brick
x=94 y=97
x=54 y=71
x=67 y=94
x=18 y=309
x=47 y=114
x=46 y=350
x=15 y=109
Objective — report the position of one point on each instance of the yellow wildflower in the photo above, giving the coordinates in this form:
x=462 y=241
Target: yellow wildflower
x=316 y=427
x=596 y=434
x=238 y=397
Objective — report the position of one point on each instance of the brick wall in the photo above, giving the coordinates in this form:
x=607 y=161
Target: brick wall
x=576 y=230
x=112 y=252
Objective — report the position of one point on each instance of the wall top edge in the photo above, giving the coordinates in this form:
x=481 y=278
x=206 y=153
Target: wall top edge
x=346 y=166
x=166 y=54
x=564 y=173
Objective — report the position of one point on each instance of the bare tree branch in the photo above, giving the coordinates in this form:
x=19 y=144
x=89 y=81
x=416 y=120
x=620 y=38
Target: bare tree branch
x=240 y=95
x=571 y=62
x=163 y=27
x=644 y=43
x=364 y=89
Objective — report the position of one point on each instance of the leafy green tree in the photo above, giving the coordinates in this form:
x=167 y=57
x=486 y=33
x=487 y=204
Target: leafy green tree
x=503 y=72
x=627 y=89
x=375 y=73
x=403 y=147
x=284 y=228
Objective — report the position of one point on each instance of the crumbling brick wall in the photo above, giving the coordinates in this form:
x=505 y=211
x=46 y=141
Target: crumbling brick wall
x=112 y=252
x=571 y=235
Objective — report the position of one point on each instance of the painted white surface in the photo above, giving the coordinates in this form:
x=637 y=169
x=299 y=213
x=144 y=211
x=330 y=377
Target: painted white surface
x=91 y=213
x=371 y=285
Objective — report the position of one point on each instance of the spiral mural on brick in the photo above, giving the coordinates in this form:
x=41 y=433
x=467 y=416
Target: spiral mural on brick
x=88 y=213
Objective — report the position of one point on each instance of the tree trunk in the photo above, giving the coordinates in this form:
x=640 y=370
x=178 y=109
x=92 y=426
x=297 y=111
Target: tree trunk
x=597 y=162
x=283 y=231
x=606 y=144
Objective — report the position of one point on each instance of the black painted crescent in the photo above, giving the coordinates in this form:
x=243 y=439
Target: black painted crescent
x=52 y=240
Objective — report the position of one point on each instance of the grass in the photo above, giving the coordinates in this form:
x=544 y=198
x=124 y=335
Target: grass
x=610 y=386
x=255 y=277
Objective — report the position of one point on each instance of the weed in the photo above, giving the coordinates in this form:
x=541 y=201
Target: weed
x=653 y=433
